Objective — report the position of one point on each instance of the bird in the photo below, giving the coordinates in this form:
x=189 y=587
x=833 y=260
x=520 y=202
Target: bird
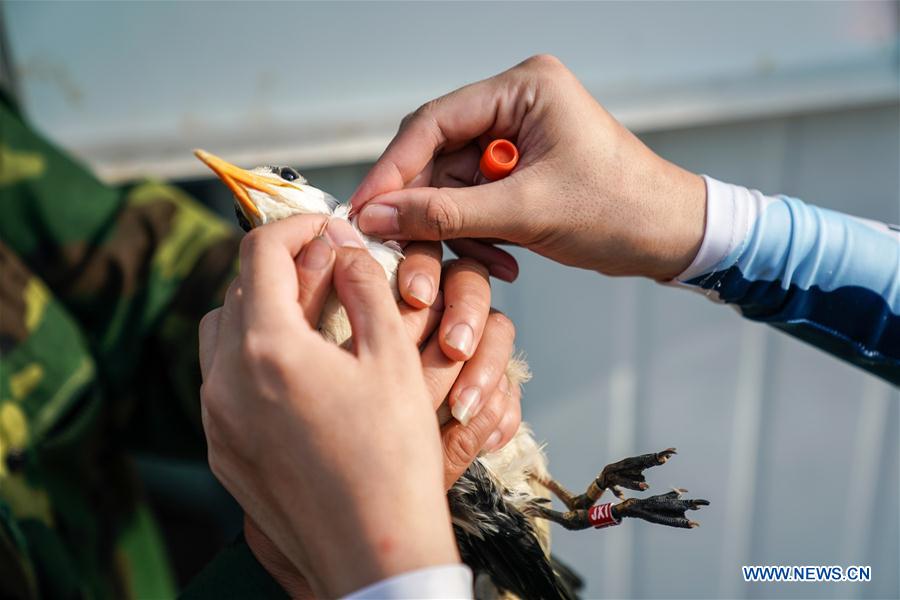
x=501 y=506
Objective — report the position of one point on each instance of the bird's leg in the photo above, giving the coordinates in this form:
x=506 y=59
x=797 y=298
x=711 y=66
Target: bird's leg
x=560 y=491
x=628 y=473
x=573 y=519
x=664 y=509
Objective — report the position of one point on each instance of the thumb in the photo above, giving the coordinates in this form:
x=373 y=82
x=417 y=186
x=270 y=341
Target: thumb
x=363 y=289
x=445 y=213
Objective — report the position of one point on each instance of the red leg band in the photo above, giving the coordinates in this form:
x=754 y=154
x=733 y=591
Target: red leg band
x=600 y=516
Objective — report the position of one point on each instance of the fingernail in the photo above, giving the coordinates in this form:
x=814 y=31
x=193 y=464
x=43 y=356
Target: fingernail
x=421 y=289
x=466 y=405
x=460 y=338
x=501 y=272
x=317 y=255
x=342 y=234
x=492 y=441
x=379 y=219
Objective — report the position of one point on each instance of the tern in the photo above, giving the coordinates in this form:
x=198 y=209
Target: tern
x=501 y=505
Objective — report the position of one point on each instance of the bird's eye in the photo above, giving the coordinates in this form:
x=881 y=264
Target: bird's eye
x=289 y=174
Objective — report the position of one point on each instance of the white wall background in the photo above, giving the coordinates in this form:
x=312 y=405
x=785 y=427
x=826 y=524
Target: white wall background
x=797 y=452
x=134 y=86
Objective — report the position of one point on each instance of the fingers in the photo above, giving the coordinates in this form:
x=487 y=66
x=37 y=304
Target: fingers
x=446 y=213
x=460 y=169
x=439 y=371
x=511 y=420
x=500 y=264
x=467 y=301
x=364 y=291
x=456 y=118
x=451 y=169
x=456 y=169
x=437 y=145
x=217 y=327
x=482 y=374
x=314 y=268
x=420 y=273
x=421 y=322
x=462 y=443
x=268 y=271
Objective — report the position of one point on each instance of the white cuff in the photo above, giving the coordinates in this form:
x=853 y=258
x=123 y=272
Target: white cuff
x=445 y=581
x=731 y=211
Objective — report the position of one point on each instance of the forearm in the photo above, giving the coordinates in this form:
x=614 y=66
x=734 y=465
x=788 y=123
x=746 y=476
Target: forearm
x=822 y=276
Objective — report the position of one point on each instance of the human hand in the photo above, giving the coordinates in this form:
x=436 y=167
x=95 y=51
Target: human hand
x=473 y=384
x=300 y=452
x=586 y=192
x=465 y=282
x=489 y=427
x=468 y=376
x=485 y=404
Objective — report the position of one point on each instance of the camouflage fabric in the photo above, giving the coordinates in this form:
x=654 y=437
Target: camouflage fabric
x=100 y=296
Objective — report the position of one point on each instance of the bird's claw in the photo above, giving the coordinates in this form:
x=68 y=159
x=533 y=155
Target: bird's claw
x=629 y=472
x=664 y=455
x=664 y=509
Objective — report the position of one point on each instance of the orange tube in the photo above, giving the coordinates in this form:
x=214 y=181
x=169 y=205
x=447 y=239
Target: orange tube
x=498 y=159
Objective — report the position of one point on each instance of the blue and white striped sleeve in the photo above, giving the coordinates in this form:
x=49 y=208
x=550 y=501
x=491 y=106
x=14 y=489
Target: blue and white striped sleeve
x=827 y=278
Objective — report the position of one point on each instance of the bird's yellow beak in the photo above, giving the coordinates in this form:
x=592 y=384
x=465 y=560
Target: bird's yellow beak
x=238 y=181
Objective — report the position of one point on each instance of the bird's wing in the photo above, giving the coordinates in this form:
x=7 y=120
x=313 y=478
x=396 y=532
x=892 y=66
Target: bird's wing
x=496 y=538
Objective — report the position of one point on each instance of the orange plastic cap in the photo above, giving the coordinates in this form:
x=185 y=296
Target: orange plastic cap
x=499 y=159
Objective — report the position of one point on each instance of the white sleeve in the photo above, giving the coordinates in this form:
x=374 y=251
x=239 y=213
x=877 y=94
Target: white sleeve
x=731 y=213
x=445 y=581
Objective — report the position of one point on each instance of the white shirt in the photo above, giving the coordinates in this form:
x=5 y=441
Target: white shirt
x=445 y=581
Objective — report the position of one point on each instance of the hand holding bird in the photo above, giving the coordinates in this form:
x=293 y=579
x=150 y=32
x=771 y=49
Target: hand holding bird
x=500 y=505
x=314 y=266
x=271 y=426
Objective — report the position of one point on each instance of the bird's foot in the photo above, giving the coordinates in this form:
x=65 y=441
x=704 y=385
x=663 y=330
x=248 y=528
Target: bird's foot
x=627 y=473
x=664 y=509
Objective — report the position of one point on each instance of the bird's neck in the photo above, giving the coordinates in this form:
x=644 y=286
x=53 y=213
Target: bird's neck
x=386 y=252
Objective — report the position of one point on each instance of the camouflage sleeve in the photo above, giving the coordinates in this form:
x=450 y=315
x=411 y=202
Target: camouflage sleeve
x=102 y=289
x=136 y=267
x=68 y=502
